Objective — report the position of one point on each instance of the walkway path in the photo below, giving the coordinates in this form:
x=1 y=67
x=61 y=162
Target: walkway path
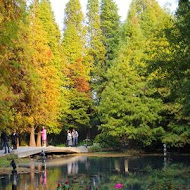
x=25 y=151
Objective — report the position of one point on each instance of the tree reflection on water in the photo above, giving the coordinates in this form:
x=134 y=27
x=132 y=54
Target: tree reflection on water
x=92 y=173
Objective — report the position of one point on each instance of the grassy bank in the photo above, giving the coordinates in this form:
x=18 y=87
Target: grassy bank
x=6 y=168
x=5 y=160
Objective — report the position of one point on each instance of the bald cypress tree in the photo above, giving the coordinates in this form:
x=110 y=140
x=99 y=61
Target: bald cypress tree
x=110 y=27
x=58 y=60
x=182 y=53
x=156 y=24
x=11 y=87
x=129 y=110
x=78 y=65
x=172 y=63
x=96 y=47
x=43 y=94
x=162 y=55
x=46 y=16
x=74 y=32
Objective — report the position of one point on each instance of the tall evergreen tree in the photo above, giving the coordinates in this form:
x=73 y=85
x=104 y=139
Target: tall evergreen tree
x=96 y=47
x=74 y=32
x=183 y=52
x=110 y=27
x=74 y=15
x=43 y=105
x=46 y=16
x=58 y=61
x=173 y=64
x=161 y=59
x=128 y=106
x=11 y=89
x=78 y=66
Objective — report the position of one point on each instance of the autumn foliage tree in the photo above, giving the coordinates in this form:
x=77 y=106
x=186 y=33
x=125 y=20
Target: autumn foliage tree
x=11 y=72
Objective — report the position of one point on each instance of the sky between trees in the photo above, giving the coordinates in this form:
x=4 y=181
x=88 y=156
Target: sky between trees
x=123 y=5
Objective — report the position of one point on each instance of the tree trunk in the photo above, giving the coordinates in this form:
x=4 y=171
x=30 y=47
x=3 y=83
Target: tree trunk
x=32 y=173
x=39 y=144
x=18 y=142
x=32 y=137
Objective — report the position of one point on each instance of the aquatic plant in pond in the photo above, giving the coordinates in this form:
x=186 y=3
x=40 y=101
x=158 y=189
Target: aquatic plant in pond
x=118 y=186
x=63 y=185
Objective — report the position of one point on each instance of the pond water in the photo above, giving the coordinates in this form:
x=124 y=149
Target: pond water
x=103 y=173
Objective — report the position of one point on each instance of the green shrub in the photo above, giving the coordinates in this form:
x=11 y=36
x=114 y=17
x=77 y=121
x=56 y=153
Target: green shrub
x=95 y=148
x=107 y=141
x=86 y=142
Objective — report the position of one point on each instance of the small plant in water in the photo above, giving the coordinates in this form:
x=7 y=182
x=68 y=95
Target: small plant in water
x=118 y=186
x=63 y=185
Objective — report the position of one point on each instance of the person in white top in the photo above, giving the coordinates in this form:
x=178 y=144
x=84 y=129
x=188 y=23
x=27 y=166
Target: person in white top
x=69 y=138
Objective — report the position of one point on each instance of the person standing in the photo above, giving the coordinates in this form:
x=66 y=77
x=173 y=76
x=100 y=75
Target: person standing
x=44 y=136
x=14 y=137
x=75 y=137
x=2 y=142
x=69 y=138
x=5 y=139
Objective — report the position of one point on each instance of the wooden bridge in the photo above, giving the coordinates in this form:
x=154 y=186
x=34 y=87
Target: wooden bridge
x=22 y=152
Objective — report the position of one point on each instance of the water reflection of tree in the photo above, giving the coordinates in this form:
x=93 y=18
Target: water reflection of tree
x=152 y=177
x=121 y=165
x=175 y=176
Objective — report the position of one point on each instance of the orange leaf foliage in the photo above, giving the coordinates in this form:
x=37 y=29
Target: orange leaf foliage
x=82 y=85
x=78 y=76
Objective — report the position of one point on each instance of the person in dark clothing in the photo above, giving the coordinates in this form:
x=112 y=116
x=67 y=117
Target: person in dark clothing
x=2 y=142
x=6 y=142
x=14 y=138
x=43 y=156
x=13 y=164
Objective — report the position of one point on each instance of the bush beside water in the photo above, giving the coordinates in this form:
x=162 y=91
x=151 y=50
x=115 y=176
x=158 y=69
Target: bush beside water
x=5 y=160
x=95 y=148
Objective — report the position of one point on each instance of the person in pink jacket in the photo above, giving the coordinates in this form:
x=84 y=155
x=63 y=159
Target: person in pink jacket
x=44 y=136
